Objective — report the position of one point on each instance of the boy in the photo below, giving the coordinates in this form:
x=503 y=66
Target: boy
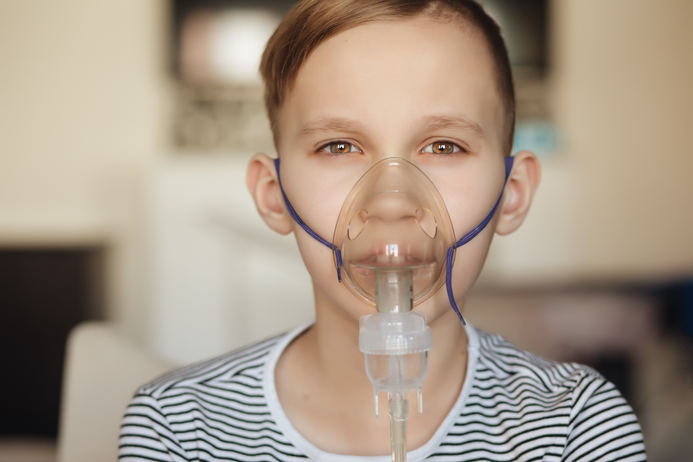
x=348 y=83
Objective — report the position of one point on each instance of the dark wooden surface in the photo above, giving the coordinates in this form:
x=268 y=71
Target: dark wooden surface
x=43 y=295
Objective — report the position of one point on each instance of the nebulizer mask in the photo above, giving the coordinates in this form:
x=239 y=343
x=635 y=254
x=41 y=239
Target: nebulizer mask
x=394 y=245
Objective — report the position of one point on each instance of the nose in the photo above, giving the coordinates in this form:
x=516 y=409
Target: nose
x=390 y=153
x=391 y=206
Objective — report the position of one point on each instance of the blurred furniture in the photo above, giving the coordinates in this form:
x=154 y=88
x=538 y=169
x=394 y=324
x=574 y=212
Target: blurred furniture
x=45 y=291
x=217 y=277
x=102 y=372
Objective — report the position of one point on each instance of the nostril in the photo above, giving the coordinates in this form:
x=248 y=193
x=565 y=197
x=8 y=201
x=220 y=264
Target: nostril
x=427 y=222
x=356 y=225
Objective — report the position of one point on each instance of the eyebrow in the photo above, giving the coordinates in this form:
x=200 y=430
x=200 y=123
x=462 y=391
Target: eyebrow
x=331 y=124
x=443 y=122
x=433 y=122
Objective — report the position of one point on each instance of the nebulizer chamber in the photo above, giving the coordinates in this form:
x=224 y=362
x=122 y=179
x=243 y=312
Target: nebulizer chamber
x=393 y=233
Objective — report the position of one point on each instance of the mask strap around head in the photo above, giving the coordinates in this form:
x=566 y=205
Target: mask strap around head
x=306 y=228
x=471 y=235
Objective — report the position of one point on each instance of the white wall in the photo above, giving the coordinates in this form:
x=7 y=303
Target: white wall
x=617 y=202
x=83 y=113
x=81 y=101
x=625 y=101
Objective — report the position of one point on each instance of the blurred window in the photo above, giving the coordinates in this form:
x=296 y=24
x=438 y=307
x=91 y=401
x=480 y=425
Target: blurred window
x=221 y=42
x=217 y=46
x=524 y=28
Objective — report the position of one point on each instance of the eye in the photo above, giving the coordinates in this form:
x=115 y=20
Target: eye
x=339 y=147
x=442 y=147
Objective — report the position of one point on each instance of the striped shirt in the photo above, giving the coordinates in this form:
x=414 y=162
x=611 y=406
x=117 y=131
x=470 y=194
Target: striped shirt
x=514 y=406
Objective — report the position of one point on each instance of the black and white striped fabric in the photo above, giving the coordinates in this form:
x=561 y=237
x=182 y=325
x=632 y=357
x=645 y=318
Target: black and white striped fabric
x=514 y=406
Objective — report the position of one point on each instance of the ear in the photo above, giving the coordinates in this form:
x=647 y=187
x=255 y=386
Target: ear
x=519 y=192
x=263 y=185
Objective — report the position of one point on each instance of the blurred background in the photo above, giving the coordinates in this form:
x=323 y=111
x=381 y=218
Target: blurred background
x=126 y=126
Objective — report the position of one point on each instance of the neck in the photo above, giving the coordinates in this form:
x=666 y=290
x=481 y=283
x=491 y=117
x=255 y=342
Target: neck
x=339 y=365
x=322 y=384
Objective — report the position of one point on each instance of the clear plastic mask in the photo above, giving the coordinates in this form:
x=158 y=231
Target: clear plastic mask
x=393 y=234
x=394 y=217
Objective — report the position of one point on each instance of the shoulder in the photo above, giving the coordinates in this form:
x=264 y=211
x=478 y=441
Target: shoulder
x=571 y=406
x=231 y=384
x=501 y=360
x=216 y=402
x=244 y=365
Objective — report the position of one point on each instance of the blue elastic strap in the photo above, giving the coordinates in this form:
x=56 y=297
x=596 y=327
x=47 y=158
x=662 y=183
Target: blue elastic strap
x=471 y=235
x=302 y=224
x=451 y=251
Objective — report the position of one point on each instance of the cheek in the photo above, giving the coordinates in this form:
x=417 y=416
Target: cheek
x=317 y=190
x=317 y=258
x=317 y=194
x=319 y=261
x=470 y=191
x=469 y=261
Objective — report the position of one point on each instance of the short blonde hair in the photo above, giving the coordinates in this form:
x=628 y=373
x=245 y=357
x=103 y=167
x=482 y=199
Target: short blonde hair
x=311 y=22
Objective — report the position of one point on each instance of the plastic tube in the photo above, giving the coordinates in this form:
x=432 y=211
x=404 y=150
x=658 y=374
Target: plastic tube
x=398 y=407
x=395 y=342
x=393 y=294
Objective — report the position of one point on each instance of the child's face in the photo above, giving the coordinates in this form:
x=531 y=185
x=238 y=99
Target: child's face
x=415 y=89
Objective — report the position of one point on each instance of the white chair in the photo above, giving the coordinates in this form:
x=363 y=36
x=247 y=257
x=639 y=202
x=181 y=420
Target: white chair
x=102 y=372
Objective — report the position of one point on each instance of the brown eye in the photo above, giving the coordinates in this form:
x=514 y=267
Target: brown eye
x=340 y=147
x=443 y=148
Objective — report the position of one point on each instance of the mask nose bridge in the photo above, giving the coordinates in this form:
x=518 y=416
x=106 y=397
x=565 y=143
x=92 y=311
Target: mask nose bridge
x=391 y=205
x=391 y=195
x=392 y=176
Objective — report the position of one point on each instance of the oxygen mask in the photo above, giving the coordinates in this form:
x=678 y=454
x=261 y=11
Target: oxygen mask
x=393 y=234
x=394 y=244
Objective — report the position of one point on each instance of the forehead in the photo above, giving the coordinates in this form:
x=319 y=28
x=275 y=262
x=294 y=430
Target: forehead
x=393 y=72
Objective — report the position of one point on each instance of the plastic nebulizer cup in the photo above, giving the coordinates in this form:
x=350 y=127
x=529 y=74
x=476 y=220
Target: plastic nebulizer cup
x=393 y=233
